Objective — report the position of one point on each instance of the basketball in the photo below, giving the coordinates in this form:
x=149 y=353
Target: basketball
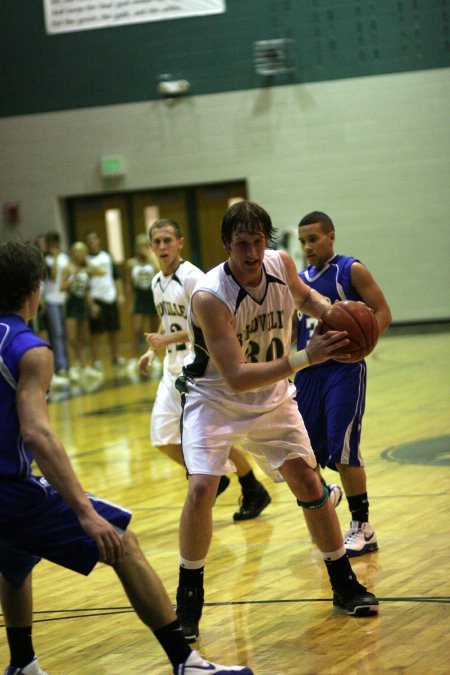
x=360 y=323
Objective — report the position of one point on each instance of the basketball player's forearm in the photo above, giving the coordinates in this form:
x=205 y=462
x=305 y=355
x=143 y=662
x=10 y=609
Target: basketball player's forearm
x=181 y=336
x=250 y=376
x=384 y=318
x=314 y=305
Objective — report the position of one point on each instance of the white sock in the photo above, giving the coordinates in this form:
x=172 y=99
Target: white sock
x=193 y=564
x=333 y=555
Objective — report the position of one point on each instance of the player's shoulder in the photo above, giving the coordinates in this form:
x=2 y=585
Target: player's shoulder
x=12 y=325
x=274 y=259
x=156 y=279
x=272 y=253
x=216 y=280
x=189 y=273
x=344 y=260
x=187 y=276
x=347 y=266
x=186 y=267
x=17 y=338
x=219 y=274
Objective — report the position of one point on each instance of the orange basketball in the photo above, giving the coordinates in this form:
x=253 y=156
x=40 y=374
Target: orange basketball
x=360 y=323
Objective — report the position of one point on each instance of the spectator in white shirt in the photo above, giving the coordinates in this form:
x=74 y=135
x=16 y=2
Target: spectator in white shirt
x=106 y=292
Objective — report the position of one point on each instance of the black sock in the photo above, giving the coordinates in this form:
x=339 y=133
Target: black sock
x=191 y=578
x=20 y=645
x=173 y=642
x=359 y=507
x=249 y=482
x=340 y=572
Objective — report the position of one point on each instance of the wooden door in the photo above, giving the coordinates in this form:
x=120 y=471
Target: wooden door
x=90 y=213
x=211 y=203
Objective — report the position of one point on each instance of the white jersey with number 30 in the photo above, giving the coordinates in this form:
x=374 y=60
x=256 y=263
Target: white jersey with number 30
x=261 y=318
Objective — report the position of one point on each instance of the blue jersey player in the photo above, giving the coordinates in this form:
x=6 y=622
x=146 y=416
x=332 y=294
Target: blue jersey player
x=331 y=395
x=51 y=516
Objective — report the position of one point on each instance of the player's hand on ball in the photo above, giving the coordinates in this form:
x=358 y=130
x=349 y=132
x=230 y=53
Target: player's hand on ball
x=359 y=322
x=323 y=346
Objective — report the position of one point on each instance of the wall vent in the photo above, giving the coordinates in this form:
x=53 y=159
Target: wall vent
x=273 y=57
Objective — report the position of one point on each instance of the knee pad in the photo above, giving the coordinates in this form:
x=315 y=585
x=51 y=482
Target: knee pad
x=317 y=503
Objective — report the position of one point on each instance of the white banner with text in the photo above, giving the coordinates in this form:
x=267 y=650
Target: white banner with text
x=64 y=16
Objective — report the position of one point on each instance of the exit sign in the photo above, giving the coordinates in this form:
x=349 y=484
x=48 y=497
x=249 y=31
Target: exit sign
x=112 y=166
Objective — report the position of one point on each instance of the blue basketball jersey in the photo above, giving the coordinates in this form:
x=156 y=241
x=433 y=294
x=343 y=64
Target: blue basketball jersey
x=35 y=521
x=16 y=338
x=331 y=395
x=334 y=282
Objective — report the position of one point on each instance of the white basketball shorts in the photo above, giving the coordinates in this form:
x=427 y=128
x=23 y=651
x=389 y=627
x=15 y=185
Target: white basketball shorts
x=210 y=429
x=166 y=414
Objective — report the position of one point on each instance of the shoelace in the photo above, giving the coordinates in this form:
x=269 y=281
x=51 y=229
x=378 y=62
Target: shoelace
x=351 y=536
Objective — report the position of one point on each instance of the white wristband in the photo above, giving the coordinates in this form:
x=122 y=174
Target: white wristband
x=299 y=360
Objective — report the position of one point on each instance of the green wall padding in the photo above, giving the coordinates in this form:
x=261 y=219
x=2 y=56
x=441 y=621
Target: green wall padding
x=332 y=39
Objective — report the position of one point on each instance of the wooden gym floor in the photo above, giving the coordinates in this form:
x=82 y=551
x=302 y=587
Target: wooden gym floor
x=267 y=593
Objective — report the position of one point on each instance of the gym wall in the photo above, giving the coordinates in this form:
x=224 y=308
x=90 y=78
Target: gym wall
x=358 y=129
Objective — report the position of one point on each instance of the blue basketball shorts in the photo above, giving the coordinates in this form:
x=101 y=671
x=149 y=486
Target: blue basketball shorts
x=331 y=400
x=35 y=523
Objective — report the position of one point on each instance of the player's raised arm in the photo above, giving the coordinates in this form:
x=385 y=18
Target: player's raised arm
x=306 y=299
x=36 y=369
x=372 y=295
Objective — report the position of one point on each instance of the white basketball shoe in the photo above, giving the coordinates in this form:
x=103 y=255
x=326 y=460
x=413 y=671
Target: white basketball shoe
x=196 y=664
x=335 y=494
x=360 y=539
x=31 y=668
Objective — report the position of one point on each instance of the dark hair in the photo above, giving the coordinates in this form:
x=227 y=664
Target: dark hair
x=318 y=217
x=246 y=217
x=52 y=237
x=165 y=222
x=22 y=268
x=90 y=233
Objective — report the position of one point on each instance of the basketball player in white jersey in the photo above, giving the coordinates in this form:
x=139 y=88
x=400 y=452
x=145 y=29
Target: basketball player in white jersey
x=236 y=390
x=172 y=289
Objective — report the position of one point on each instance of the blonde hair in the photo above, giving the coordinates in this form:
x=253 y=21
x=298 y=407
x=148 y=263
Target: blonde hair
x=78 y=246
x=141 y=239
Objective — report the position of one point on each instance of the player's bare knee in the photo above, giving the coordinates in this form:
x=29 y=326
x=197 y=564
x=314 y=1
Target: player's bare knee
x=312 y=484
x=131 y=542
x=302 y=479
x=202 y=490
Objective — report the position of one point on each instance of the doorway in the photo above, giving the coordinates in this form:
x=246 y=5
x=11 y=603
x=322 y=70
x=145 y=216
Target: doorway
x=119 y=217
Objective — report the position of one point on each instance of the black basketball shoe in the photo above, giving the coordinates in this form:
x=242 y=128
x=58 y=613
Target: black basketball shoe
x=252 y=502
x=355 y=600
